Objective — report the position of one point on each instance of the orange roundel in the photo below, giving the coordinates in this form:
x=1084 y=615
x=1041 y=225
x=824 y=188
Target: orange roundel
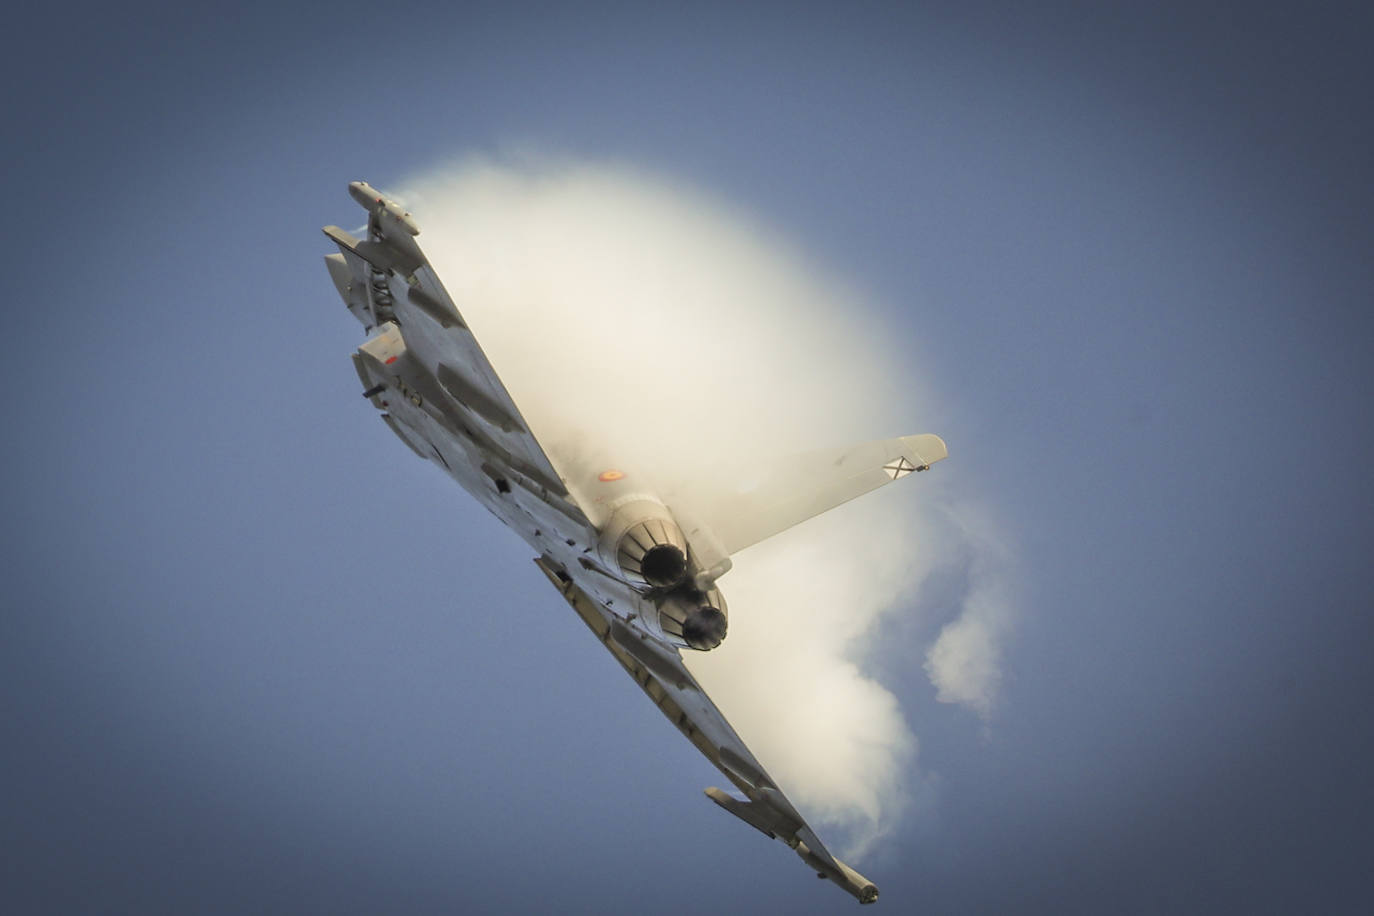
x=610 y=476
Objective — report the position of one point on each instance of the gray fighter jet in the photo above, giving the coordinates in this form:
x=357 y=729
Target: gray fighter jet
x=643 y=576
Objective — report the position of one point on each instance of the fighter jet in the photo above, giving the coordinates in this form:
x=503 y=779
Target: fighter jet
x=640 y=570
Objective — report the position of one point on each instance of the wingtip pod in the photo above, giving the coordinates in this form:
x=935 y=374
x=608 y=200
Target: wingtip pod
x=863 y=890
x=368 y=197
x=772 y=814
x=374 y=202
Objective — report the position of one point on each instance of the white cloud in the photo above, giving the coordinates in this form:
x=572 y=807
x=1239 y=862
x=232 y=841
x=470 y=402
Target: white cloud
x=965 y=662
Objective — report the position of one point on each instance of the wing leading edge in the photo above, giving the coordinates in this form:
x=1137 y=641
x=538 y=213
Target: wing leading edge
x=661 y=675
x=419 y=337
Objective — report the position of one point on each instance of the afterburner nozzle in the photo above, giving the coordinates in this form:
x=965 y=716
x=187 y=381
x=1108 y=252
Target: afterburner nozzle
x=663 y=565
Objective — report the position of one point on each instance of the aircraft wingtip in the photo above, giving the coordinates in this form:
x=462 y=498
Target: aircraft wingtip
x=929 y=447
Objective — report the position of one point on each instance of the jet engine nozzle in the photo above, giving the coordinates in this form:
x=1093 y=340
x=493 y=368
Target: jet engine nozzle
x=705 y=629
x=663 y=565
x=647 y=545
x=694 y=619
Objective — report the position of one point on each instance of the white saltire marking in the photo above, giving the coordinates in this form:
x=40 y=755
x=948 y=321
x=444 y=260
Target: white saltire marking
x=899 y=468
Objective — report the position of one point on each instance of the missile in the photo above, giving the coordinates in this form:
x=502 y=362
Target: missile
x=771 y=814
x=761 y=817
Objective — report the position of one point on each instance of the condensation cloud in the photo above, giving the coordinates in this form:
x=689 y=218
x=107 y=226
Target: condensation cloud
x=965 y=661
x=643 y=325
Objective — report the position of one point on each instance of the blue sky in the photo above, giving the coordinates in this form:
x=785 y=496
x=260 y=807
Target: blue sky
x=257 y=657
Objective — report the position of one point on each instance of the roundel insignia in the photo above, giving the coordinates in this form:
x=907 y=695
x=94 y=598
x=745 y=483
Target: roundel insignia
x=610 y=476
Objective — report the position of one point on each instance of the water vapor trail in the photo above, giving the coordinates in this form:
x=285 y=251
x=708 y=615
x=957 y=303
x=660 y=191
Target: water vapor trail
x=642 y=325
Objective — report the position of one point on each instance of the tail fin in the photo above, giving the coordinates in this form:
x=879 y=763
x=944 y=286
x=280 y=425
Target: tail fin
x=806 y=485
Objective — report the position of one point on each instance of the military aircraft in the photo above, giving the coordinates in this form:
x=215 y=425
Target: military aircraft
x=641 y=572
